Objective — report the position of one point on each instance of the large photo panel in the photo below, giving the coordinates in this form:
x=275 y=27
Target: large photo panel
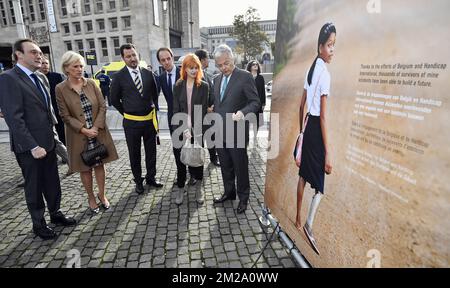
x=386 y=202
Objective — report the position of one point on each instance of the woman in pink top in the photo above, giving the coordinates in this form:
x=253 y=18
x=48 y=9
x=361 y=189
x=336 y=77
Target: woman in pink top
x=190 y=96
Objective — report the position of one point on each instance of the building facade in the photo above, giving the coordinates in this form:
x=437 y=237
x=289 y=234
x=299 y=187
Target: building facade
x=101 y=26
x=211 y=37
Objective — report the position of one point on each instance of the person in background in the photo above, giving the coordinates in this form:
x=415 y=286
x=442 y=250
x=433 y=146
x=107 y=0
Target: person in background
x=54 y=79
x=255 y=69
x=202 y=54
x=83 y=110
x=105 y=82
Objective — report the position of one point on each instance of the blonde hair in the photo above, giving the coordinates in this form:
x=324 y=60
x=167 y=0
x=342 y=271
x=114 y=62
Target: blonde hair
x=70 y=57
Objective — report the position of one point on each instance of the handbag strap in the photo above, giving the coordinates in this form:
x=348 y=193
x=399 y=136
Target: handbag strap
x=309 y=106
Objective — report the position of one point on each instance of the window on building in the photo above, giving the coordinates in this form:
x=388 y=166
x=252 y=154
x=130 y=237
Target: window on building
x=125 y=4
x=156 y=12
x=113 y=23
x=41 y=7
x=98 y=6
x=91 y=44
x=87 y=7
x=112 y=5
x=79 y=45
x=66 y=28
x=68 y=45
x=63 y=6
x=116 y=45
x=104 y=46
x=101 y=25
x=88 y=26
x=128 y=39
x=126 y=22
x=32 y=11
x=11 y=12
x=77 y=27
x=175 y=15
x=4 y=17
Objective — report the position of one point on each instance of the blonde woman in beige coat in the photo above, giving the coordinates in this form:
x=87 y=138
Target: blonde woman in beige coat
x=79 y=98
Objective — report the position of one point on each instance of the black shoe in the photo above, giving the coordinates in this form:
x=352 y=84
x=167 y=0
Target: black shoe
x=45 y=233
x=223 y=198
x=241 y=207
x=154 y=183
x=215 y=162
x=59 y=219
x=139 y=188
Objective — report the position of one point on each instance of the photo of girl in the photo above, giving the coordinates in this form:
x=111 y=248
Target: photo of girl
x=315 y=158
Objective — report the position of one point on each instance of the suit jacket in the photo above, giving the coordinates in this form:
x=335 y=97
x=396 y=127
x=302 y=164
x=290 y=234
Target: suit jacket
x=125 y=97
x=168 y=94
x=27 y=115
x=240 y=95
x=199 y=97
x=209 y=79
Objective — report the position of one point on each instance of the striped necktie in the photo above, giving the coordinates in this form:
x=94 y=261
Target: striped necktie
x=137 y=82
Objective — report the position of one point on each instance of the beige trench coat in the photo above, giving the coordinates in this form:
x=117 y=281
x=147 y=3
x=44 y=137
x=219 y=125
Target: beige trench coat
x=69 y=105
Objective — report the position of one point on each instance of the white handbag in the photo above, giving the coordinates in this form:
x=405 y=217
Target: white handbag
x=192 y=154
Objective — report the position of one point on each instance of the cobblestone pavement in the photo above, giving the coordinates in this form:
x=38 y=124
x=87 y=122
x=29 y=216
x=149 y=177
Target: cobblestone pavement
x=147 y=230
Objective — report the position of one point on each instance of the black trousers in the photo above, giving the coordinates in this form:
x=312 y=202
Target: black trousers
x=41 y=179
x=133 y=136
x=234 y=166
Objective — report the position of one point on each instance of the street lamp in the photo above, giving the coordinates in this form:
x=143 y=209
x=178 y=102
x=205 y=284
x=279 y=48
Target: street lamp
x=165 y=6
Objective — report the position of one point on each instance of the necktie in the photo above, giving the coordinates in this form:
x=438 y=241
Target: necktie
x=137 y=82
x=40 y=88
x=169 y=82
x=224 y=87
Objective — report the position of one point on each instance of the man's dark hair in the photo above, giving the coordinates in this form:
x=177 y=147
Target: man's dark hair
x=164 y=49
x=18 y=47
x=201 y=54
x=127 y=46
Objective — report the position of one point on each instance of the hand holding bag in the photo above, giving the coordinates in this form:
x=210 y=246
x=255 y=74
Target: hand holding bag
x=192 y=154
x=93 y=157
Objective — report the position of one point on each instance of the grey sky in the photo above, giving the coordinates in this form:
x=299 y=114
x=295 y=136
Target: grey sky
x=221 y=12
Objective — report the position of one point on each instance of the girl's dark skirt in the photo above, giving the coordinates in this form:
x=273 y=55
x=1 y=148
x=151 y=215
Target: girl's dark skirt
x=312 y=166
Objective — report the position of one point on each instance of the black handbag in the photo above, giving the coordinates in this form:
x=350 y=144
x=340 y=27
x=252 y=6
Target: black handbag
x=93 y=157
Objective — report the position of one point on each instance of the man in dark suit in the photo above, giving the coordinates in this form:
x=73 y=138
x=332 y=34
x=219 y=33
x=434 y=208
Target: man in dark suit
x=53 y=80
x=236 y=98
x=202 y=55
x=26 y=106
x=133 y=94
x=167 y=81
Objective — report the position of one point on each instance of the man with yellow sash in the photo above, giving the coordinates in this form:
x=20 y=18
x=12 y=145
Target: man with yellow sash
x=133 y=94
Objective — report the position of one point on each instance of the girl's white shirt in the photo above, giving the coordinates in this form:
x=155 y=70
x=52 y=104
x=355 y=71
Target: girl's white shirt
x=321 y=80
